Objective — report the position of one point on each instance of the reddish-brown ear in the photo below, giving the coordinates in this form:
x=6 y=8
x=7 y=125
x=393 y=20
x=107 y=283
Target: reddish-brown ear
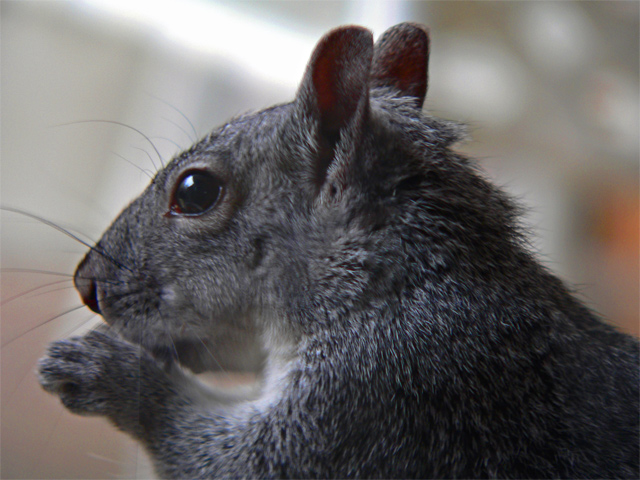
x=334 y=95
x=400 y=61
x=337 y=77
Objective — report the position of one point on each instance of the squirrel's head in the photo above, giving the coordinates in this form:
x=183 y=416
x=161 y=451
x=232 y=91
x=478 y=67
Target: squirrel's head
x=294 y=211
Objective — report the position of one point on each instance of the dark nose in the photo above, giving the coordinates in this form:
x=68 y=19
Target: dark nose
x=85 y=282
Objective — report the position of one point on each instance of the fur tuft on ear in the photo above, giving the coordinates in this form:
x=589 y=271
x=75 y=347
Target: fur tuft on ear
x=400 y=61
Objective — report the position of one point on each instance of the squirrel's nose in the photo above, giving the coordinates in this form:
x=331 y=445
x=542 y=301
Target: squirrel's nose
x=85 y=283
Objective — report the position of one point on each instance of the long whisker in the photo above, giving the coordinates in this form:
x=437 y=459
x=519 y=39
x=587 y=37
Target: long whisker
x=81 y=325
x=179 y=127
x=195 y=133
x=35 y=289
x=53 y=290
x=109 y=327
x=47 y=222
x=176 y=109
x=107 y=299
x=34 y=270
x=170 y=141
x=148 y=156
x=146 y=172
x=59 y=274
x=66 y=312
x=57 y=227
x=115 y=122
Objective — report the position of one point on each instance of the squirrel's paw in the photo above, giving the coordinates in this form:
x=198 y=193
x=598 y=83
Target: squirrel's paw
x=89 y=373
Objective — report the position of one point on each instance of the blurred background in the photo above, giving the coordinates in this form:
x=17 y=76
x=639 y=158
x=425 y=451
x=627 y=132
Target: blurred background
x=550 y=91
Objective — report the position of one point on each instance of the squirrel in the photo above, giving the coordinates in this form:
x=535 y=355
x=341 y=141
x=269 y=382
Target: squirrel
x=404 y=326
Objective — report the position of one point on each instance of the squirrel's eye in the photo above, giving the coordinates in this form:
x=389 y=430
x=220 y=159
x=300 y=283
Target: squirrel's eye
x=196 y=192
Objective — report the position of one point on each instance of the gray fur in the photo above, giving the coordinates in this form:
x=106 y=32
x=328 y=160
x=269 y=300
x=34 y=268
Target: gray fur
x=403 y=326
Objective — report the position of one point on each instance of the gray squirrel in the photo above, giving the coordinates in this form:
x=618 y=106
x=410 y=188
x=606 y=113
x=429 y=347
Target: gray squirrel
x=404 y=327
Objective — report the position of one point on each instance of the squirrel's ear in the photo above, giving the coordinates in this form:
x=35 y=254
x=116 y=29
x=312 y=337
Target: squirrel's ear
x=334 y=93
x=337 y=78
x=400 y=61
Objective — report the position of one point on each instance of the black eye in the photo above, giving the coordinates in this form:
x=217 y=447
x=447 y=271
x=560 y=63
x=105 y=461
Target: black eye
x=196 y=192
